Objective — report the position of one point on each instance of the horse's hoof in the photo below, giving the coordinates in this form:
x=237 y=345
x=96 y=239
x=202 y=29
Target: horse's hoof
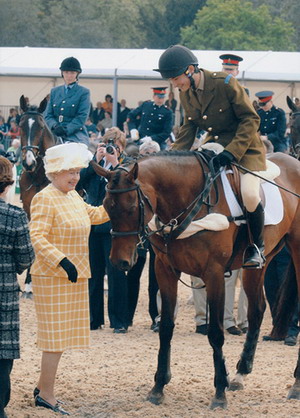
x=219 y=403
x=235 y=386
x=155 y=397
x=294 y=394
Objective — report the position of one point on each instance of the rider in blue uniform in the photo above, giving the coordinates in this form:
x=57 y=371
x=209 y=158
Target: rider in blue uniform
x=69 y=105
x=155 y=119
x=272 y=121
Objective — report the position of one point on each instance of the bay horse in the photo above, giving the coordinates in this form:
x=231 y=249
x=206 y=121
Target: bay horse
x=172 y=186
x=36 y=137
x=295 y=127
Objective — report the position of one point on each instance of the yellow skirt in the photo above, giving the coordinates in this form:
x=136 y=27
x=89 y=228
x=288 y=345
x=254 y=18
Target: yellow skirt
x=62 y=310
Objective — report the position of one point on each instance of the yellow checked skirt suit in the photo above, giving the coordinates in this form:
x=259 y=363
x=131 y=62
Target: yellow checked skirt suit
x=60 y=226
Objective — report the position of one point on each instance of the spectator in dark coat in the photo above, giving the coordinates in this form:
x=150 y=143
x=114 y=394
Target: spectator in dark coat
x=16 y=255
x=122 y=114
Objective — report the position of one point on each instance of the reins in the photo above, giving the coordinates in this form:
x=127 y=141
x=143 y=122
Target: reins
x=144 y=232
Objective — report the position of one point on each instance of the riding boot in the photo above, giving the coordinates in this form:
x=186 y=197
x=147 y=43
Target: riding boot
x=254 y=253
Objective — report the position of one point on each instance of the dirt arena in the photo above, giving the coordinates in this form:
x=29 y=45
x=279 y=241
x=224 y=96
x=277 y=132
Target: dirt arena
x=113 y=377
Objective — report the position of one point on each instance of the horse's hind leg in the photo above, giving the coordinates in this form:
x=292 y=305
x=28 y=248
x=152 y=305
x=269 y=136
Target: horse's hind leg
x=253 y=285
x=215 y=296
x=167 y=282
x=294 y=278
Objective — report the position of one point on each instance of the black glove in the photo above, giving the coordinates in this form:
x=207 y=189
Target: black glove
x=222 y=159
x=60 y=131
x=70 y=269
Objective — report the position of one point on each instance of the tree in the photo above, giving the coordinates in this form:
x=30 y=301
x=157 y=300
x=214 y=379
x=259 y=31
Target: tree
x=238 y=25
x=289 y=10
x=162 y=20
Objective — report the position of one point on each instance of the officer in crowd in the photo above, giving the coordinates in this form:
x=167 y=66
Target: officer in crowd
x=69 y=105
x=155 y=119
x=230 y=65
x=272 y=121
x=219 y=105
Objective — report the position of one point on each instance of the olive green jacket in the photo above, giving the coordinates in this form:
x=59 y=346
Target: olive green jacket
x=227 y=115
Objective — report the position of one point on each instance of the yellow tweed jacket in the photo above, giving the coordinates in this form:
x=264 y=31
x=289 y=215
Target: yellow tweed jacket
x=59 y=227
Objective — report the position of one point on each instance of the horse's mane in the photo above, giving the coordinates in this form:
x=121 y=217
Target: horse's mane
x=158 y=154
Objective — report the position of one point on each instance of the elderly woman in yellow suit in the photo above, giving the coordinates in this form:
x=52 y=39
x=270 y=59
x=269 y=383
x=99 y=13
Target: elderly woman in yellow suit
x=59 y=230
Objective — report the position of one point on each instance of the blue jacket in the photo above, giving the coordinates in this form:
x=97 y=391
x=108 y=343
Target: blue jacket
x=70 y=110
x=273 y=124
x=155 y=121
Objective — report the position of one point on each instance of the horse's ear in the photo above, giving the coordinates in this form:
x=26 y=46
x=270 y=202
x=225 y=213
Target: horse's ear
x=100 y=170
x=290 y=104
x=43 y=105
x=23 y=103
x=133 y=173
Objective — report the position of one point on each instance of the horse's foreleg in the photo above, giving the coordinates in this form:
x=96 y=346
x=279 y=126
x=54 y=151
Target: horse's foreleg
x=168 y=289
x=294 y=392
x=215 y=295
x=253 y=283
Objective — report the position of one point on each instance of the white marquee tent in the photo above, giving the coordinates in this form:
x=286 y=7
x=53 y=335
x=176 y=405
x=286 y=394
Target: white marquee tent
x=267 y=69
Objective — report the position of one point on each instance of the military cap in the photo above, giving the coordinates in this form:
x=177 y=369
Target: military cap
x=230 y=61
x=159 y=91
x=264 y=96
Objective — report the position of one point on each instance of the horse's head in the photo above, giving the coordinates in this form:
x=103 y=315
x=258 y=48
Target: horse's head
x=33 y=139
x=129 y=211
x=295 y=127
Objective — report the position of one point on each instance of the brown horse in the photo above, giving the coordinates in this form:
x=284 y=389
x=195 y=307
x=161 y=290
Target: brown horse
x=168 y=185
x=295 y=127
x=36 y=137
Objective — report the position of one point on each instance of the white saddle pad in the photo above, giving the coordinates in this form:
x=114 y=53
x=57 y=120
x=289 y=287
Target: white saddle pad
x=273 y=199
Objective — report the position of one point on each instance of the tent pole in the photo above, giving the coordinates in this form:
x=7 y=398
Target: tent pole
x=115 y=99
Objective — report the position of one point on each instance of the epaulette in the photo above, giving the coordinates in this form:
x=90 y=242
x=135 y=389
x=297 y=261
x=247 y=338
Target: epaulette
x=219 y=74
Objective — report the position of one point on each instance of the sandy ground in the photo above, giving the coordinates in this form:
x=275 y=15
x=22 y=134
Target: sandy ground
x=113 y=377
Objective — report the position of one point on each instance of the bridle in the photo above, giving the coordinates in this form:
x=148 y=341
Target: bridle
x=192 y=209
x=296 y=147
x=142 y=231
x=33 y=147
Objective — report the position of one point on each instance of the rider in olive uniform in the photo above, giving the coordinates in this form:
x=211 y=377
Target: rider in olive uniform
x=155 y=119
x=69 y=105
x=272 y=121
x=218 y=104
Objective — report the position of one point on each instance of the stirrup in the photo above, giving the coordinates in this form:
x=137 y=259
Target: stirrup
x=253 y=258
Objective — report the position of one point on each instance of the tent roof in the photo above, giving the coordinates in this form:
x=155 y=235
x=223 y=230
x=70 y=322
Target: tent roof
x=139 y=63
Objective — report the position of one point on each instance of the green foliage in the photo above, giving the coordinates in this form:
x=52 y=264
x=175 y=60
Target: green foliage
x=200 y=24
x=95 y=23
x=237 y=25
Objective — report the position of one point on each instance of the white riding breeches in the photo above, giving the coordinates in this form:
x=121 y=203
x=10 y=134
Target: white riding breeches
x=250 y=191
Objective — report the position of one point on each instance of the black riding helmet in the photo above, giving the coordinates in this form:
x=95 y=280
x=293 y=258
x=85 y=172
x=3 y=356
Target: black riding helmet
x=175 y=61
x=70 y=64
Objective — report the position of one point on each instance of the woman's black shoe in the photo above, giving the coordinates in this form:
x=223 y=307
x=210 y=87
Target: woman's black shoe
x=44 y=404
x=36 y=392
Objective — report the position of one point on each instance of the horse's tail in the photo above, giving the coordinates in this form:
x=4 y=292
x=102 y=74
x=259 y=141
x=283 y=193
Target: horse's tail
x=287 y=299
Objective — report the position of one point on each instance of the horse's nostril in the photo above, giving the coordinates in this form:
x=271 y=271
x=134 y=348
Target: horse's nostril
x=123 y=265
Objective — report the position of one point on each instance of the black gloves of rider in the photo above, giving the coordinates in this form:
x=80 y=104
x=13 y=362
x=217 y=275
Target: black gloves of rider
x=222 y=159
x=70 y=269
x=60 y=131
